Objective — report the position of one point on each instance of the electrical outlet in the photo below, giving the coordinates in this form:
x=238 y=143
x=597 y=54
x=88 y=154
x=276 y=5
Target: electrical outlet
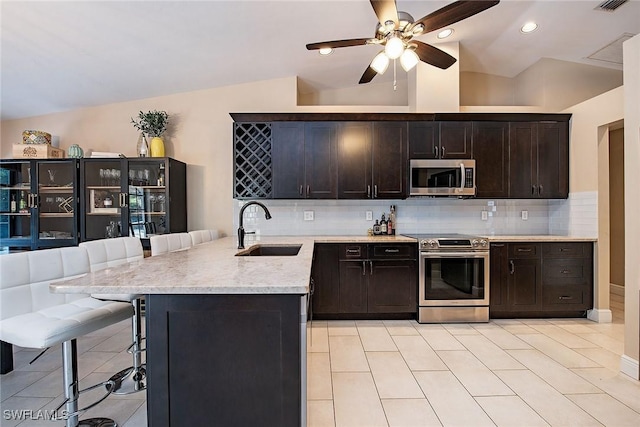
x=524 y=215
x=308 y=215
x=369 y=215
x=485 y=215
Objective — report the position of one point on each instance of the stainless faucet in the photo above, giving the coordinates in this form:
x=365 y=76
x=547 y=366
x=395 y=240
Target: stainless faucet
x=241 y=233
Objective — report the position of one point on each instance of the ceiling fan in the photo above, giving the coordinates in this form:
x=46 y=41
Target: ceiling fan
x=396 y=30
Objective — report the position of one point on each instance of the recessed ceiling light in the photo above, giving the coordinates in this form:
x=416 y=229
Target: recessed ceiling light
x=445 y=33
x=325 y=51
x=528 y=27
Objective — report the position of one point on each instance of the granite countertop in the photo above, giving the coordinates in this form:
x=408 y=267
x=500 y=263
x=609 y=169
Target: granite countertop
x=538 y=238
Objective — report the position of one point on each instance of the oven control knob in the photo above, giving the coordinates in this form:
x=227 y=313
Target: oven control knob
x=475 y=243
x=484 y=243
x=432 y=243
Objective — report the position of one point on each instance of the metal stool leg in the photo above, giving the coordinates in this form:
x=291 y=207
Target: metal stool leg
x=133 y=378
x=72 y=392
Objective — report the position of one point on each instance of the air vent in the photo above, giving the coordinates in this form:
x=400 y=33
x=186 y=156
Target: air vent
x=611 y=53
x=610 y=5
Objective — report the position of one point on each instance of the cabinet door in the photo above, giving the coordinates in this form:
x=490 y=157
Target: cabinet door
x=491 y=153
x=455 y=140
x=326 y=278
x=523 y=164
x=353 y=286
x=287 y=157
x=389 y=160
x=525 y=291
x=320 y=160
x=354 y=160
x=392 y=287
x=499 y=271
x=16 y=196
x=553 y=160
x=424 y=140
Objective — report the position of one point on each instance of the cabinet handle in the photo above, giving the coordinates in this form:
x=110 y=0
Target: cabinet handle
x=301 y=193
x=392 y=251
x=308 y=190
x=375 y=191
x=512 y=267
x=540 y=188
x=353 y=251
x=435 y=151
x=533 y=190
x=371 y=267
x=123 y=200
x=369 y=191
x=524 y=250
x=565 y=271
x=364 y=268
x=442 y=152
x=498 y=245
x=564 y=297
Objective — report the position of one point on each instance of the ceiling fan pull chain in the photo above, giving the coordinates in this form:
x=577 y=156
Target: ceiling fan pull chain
x=394 y=75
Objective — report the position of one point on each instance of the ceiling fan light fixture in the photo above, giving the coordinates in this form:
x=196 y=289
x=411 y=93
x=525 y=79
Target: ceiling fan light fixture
x=445 y=33
x=325 y=51
x=409 y=59
x=528 y=27
x=380 y=63
x=394 y=47
x=418 y=29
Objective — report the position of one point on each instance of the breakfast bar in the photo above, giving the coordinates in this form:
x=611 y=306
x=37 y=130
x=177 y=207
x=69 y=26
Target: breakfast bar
x=226 y=330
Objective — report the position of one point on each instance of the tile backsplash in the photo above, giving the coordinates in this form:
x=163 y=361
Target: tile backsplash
x=419 y=215
x=575 y=216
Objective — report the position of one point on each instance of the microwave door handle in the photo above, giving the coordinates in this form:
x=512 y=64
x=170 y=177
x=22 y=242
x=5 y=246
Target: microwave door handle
x=462 y=177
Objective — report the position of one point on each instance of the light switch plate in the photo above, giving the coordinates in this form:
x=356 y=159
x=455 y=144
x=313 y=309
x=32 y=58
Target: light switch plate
x=369 y=215
x=308 y=215
x=485 y=215
x=524 y=215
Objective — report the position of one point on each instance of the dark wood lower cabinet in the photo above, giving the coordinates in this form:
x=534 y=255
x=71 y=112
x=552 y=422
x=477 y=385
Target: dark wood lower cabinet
x=392 y=287
x=228 y=360
x=353 y=286
x=553 y=279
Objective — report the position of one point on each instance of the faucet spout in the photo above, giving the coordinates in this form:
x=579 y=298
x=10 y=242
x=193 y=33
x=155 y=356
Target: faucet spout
x=241 y=232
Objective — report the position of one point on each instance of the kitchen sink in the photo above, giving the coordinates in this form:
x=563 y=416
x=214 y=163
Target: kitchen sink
x=271 y=250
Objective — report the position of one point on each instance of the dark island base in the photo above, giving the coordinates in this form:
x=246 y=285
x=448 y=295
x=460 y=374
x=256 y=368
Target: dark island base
x=227 y=360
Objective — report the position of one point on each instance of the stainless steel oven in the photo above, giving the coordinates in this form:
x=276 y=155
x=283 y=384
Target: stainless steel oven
x=453 y=279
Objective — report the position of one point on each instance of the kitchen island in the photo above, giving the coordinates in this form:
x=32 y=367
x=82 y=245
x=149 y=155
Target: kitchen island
x=226 y=334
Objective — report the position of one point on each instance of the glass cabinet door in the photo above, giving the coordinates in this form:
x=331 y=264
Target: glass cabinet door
x=16 y=201
x=104 y=198
x=147 y=197
x=56 y=216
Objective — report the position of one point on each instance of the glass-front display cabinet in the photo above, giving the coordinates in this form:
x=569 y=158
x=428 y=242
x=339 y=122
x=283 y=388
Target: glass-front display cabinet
x=133 y=197
x=38 y=204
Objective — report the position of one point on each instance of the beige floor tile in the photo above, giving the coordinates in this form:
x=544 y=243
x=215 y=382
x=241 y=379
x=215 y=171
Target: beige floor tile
x=504 y=339
x=476 y=378
x=619 y=386
x=139 y=418
x=418 y=355
x=410 y=413
x=342 y=327
x=550 y=404
x=440 y=339
x=392 y=376
x=16 y=381
x=451 y=402
x=510 y=411
x=320 y=413
x=606 y=342
x=576 y=328
x=356 y=400
x=563 y=336
x=318 y=338
x=13 y=410
x=375 y=337
x=347 y=354
x=602 y=357
x=401 y=327
x=319 y=376
x=559 y=377
x=461 y=329
x=488 y=353
x=607 y=410
x=558 y=352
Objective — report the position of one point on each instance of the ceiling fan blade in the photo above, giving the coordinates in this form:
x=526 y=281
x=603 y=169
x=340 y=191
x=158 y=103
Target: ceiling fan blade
x=453 y=13
x=337 y=43
x=368 y=75
x=386 y=10
x=432 y=55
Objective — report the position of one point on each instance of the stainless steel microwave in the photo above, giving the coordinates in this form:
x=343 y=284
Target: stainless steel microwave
x=442 y=177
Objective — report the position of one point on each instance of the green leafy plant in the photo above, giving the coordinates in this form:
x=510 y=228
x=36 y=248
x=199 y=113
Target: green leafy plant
x=152 y=123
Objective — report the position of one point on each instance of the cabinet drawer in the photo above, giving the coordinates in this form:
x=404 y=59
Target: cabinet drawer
x=524 y=250
x=564 y=296
x=385 y=251
x=566 y=272
x=353 y=251
x=566 y=249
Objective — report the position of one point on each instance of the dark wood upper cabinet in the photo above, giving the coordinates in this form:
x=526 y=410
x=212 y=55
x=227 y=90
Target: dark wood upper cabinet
x=389 y=160
x=523 y=160
x=354 y=160
x=288 y=160
x=320 y=159
x=491 y=153
x=455 y=140
x=440 y=140
x=424 y=140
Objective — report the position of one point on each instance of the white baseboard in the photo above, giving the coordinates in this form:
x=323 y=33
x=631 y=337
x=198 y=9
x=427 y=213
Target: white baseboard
x=599 y=315
x=630 y=367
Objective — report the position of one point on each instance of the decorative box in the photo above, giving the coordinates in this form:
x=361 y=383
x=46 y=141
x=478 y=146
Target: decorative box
x=36 y=151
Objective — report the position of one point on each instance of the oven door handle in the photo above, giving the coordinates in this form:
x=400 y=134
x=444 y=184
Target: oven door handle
x=484 y=254
x=462 y=180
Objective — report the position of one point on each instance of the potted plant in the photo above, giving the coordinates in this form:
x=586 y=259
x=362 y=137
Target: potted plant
x=152 y=124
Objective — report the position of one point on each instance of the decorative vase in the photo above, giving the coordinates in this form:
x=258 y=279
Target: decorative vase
x=143 y=147
x=75 y=152
x=157 y=147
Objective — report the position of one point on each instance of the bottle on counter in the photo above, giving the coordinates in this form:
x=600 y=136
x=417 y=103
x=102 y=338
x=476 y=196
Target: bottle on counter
x=383 y=225
x=376 y=228
x=390 y=225
x=392 y=218
x=14 y=206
